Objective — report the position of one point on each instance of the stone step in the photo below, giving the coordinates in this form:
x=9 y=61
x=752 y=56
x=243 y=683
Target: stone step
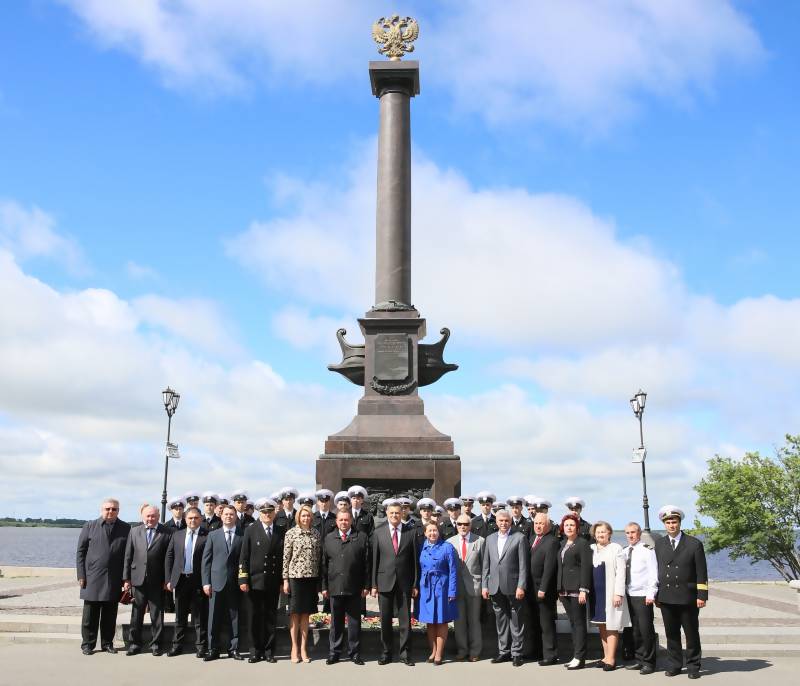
x=40 y=637
x=751 y=650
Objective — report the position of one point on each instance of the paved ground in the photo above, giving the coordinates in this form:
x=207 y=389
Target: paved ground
x=32 y=666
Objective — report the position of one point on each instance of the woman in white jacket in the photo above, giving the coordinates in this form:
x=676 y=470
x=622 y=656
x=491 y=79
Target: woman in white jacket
x=608 y=607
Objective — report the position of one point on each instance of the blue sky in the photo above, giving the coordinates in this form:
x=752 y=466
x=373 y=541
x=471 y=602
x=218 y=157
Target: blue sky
x=602 y=201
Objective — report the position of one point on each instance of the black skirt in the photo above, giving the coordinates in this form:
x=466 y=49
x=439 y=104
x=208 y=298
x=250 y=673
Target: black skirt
x=303 y=595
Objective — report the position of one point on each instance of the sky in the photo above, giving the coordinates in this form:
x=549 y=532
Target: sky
x=604 y=199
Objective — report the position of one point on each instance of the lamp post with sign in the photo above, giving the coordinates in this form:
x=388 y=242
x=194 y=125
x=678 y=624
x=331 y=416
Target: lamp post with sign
x=640 y=455
x=171 y=399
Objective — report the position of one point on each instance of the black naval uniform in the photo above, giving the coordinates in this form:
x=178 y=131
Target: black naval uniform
x=175 y=526
x=261 y=566
x=243 y=521
x=682 y=581
x=522 y=525
x=324 y=526
x=284 y=520
x=447 y=528
x=364 y=522
x=484 y=527
x=211 y=524
x=584 y=530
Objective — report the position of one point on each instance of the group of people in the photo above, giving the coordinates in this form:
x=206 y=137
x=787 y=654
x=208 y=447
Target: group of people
x=438 y=567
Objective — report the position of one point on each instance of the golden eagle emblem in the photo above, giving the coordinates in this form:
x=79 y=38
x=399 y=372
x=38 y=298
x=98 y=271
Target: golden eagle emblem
x=395 y=35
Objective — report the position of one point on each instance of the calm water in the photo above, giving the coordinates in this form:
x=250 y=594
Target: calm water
x=44 y=547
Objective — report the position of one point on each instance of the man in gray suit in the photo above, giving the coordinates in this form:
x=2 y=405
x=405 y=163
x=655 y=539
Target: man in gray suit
x=145 y=554
x=469 y=549
x=220 y=583
x=505 y=577
x=99 y=562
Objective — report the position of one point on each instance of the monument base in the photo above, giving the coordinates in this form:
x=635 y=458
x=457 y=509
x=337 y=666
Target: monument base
x=384 y=476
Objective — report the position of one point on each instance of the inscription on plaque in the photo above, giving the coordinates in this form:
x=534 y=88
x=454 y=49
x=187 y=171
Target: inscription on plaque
x=392 y=357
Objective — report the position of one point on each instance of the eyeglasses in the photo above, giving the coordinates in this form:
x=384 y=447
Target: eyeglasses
x=111 y=509
x=462 y=523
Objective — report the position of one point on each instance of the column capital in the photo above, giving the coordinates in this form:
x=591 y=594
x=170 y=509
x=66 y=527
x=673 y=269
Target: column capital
x=385 y=76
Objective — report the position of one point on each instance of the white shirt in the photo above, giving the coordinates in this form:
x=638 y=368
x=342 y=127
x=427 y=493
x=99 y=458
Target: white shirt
x=644 y=571
x=677 y=540
x=501 y=543
x=356 y=513
x=267 y=528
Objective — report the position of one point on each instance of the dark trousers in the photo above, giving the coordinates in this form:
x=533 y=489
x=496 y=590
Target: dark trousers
x=349 y=606
x=543 y=626
x=687 y=617
x=577 y=624
x=189 y=598
x=639 y=639
x=263 y=616
x=102 y=614
x=396 y=601
x=532 y=626
x=224 y=607
x=150 y=597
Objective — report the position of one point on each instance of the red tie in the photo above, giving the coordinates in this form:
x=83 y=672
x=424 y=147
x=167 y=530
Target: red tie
x=463 y=549
x=395 y=543
x=536 y=542
x=344 y=536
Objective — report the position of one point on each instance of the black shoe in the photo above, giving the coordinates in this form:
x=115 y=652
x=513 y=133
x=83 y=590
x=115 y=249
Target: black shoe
x=332 y=660
x=269 y=657
x=437 y=663
x=111 y=650
x=357 y=661
x=407 y=661
x=581 y=664
x=647 y=669
x=672 y=672
x=548 y=663
x=87 y=651
x=518 y=661
x=596 y=664
x=254 y=657
x=384 y=660
x=501 y=658
x=235 y=654
x=133 y=651
x=157 y=652
x=201 y=652
x=211 y=655
x=608 y=668
x=635 y=665
x=174 y=651
x=694 y=675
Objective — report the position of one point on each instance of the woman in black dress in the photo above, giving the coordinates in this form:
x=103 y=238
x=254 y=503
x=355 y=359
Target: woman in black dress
x=302 y=549
x=574 y=582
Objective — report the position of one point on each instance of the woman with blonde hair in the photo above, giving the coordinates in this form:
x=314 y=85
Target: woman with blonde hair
x=302 y=548
x=608 y=607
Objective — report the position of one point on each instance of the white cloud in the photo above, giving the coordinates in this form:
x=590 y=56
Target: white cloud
x=30 y=233
x=586 y=63
x=141 y=272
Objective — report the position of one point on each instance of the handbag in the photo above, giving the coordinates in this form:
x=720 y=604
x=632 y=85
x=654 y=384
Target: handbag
x=127 y=597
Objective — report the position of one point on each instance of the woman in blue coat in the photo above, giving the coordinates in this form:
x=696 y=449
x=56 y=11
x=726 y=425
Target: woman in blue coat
x=438 y=581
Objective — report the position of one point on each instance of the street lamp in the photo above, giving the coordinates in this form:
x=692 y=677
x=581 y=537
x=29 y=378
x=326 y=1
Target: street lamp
x=637 y=404
x=171 y=399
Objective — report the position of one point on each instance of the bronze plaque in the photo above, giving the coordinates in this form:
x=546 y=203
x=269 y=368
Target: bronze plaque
x=392 y=356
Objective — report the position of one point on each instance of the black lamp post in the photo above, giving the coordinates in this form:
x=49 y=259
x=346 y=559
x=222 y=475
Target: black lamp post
x=637 y=404
x=171 y=399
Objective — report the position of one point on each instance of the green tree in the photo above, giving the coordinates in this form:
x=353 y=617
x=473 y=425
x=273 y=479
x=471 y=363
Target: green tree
x=755 y=504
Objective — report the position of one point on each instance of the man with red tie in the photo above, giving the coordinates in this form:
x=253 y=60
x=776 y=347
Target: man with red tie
x=345 y=581
x=543 y=595
x=395 y=580
x=469 y=548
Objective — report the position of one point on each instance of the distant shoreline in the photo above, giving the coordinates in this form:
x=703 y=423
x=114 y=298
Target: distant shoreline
x=51 y=523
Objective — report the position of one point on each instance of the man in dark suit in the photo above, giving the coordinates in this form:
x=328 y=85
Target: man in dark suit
x=682 y=591
x=518 y=521
x=99 y=561
x=345 y=581
x=211 y=521
x=219 y=577
x=395 y=580
x=182 y=569
x=145 y=553
x=362 y=518
x=504 y=580
x=260 y=567
x=243 y=520
x=176 y=508
x=484 y=522
x=542 y=594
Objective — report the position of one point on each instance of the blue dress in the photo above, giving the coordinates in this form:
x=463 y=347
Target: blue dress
x=438 y=581
x=598 y=596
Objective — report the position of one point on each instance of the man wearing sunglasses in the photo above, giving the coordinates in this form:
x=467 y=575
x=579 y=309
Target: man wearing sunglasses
x=469 y=550
x=100 y=559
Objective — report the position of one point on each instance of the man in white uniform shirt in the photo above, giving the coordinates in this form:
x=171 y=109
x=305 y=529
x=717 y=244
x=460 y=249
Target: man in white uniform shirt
x=641 y=585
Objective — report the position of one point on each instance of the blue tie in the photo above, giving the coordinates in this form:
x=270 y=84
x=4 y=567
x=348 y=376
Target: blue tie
x=187 y=554
x=149 y=537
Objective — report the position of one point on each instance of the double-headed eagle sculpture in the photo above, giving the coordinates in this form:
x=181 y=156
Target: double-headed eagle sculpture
x=395 y=35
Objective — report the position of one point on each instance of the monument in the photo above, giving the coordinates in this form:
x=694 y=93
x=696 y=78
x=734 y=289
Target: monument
x=391 y=447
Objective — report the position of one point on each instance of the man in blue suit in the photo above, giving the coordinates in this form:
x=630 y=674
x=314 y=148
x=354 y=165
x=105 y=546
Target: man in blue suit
x=219 y=576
